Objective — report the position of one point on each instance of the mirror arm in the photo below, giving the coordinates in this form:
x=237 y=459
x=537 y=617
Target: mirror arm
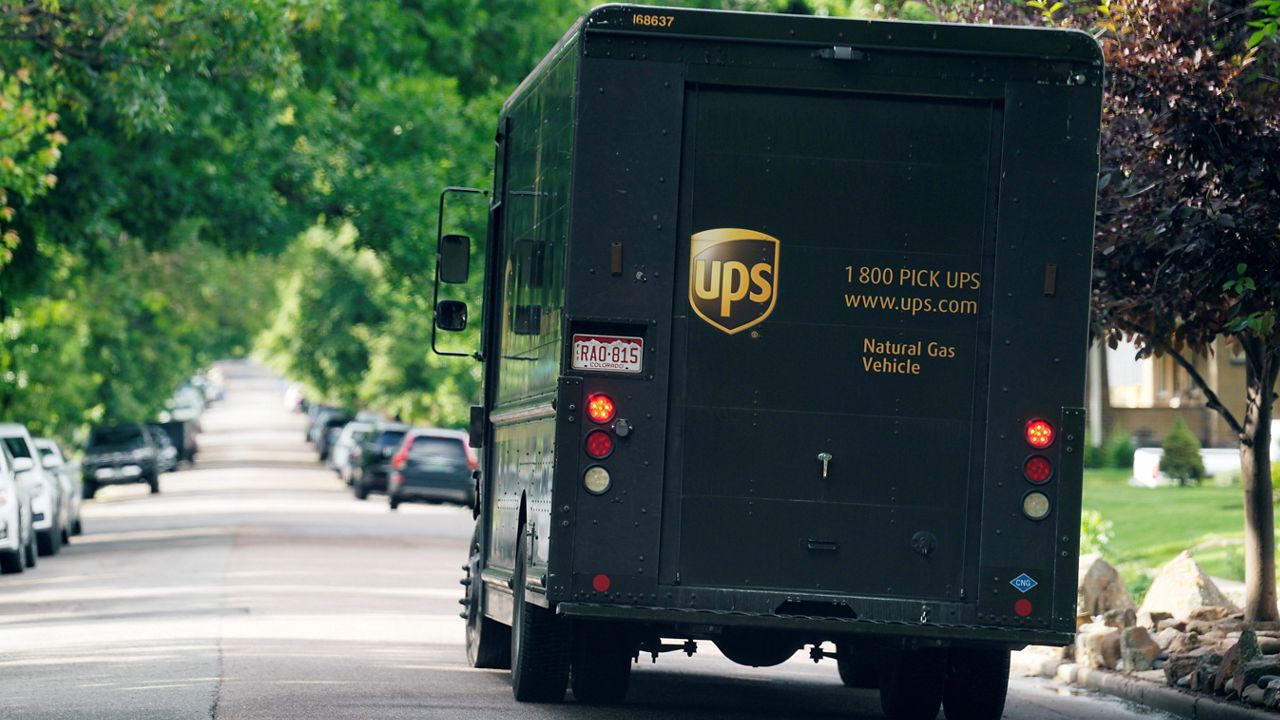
x=435 y=291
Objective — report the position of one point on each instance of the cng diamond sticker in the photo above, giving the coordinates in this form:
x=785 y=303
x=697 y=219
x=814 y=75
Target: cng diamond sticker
x=1023 y=582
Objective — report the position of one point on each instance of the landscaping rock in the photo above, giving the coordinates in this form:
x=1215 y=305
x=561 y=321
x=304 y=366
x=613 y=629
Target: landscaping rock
x=1252 y=672
x=1153 y=619
x=1182 y=587
x=1174 y=623
x=1179 y=667
x=1237 y=657
x=1254 y=695
x=1100 y=588
x=1185 y=642
x=1137 y=649
x=1098 y=647
x=1206 y=670
x=1165 y=637
x=1211 y=613
x=1120 y=618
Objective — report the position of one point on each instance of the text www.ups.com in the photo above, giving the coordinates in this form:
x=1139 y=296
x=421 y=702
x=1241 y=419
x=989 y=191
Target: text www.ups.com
x=912 y=305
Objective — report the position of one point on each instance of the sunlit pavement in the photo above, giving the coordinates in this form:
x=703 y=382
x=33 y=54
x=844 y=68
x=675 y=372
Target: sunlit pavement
x=255 y=586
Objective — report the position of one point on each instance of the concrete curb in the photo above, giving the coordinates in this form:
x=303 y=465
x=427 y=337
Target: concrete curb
x=1174 y=701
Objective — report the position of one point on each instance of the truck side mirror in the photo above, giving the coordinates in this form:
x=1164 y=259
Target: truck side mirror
x=22 y=464
x=454 y=258
x=451 y=315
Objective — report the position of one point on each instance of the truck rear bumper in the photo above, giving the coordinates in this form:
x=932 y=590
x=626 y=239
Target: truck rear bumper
x=821 y=628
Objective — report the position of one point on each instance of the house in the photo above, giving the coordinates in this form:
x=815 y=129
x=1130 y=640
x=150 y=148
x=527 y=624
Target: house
x=1144 y=396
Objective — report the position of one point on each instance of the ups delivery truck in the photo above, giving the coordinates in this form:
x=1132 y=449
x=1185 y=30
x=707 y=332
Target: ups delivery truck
x=784 y=333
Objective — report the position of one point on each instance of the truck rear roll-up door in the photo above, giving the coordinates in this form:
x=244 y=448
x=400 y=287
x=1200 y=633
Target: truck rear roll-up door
x=827 y=413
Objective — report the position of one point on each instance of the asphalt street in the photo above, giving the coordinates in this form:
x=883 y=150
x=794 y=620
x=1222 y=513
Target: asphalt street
x=256 y=586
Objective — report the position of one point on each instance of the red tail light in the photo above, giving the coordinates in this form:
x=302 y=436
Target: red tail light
x=1037 y=469
x=600 y=407
x=599 y=444
x=402 y=455
x=473 y=462
x=1039 y=434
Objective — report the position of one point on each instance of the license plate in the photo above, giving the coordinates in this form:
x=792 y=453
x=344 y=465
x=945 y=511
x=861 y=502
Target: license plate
x=104 y=473
x=608 y=353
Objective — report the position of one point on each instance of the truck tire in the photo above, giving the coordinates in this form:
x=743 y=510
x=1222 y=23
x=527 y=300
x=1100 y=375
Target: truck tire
x=153 y=480
x=977 y=683
x=911 y=682
x=89 y=489
x=539 y=644
x=857 y=665
x=360 y=491
x=488 y=641
x=601 y=663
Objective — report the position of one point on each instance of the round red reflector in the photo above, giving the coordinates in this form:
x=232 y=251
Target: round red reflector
x=1038 y=469
x=1039 y=434
x=599 y=444
x=1022 y=608
x=600 y=407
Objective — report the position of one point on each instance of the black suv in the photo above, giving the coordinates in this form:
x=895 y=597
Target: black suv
x=371 y=459
x=119 y=454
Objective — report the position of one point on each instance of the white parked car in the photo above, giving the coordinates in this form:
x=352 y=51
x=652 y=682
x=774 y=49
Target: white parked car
x=340 y=454
x=17 y=539
x=67 y=474
x=46 y=494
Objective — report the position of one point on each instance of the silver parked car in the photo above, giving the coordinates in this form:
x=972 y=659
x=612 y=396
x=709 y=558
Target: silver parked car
x=340 y=456
x=17 y=538
x=46 y=493
x=67 y=474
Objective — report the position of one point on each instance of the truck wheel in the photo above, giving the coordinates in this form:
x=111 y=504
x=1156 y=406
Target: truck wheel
x=601 y=665
x=89 y=489
x=154 y=481
x=857 y=665
x=911 y=682
x=361 y=492
x=539 y=644
x=488 y=641
x=394 y=502
x=977 y=683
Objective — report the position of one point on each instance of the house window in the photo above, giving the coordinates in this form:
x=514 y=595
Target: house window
x=1150 y=382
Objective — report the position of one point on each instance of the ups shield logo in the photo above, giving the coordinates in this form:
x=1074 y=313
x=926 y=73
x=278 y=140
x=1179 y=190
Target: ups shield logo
x=733 y=277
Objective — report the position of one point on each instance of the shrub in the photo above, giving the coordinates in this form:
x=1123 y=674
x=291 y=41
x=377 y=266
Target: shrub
x=1118 y=449
x=1095 y=532
x=1094 y=457
x=1181 y=459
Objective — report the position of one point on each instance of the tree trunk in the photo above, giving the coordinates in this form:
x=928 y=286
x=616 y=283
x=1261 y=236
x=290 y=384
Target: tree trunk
x=1255 y=473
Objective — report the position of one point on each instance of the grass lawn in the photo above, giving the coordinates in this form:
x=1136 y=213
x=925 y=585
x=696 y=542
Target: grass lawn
x=1152 y=525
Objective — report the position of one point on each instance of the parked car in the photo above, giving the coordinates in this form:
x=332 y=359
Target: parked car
x=183 y=437
x=328 y=425
x=119 y=454
x=340 y=455
x=166 y=453
x=68 y=477
x=45 y=492
x=314 y=411
x=433 y=466
x=373 y=460
x=186 y=404
x=17 y=538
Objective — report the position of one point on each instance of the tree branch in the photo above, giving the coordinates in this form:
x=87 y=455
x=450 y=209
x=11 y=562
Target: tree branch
x=1211 y=399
